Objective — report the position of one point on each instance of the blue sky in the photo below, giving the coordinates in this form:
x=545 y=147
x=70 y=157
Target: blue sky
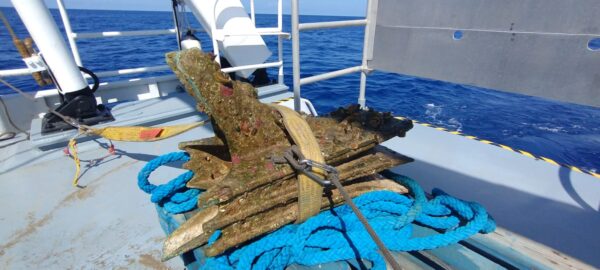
x=308 y=7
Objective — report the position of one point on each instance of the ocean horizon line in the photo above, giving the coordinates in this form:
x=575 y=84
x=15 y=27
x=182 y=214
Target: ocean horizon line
x=286 y=14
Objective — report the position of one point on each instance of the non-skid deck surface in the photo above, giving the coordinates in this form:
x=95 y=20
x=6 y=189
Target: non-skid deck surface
x=45 y=223
x=549 y=204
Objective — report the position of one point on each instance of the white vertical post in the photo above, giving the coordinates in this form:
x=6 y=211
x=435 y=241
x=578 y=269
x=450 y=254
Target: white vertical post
x=279 y=16
x=252 y=12
x=214 y=34
x=362 y=90
x=44 y=31
x=176 y=22
x=216 y=51
x=216 y=48
x=67 y=24
x=296 y=54
x=370 y=17
x=280 y=59
x=280 y=41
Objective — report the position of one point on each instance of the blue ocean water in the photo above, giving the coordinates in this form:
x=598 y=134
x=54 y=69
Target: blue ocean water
x=567 y=133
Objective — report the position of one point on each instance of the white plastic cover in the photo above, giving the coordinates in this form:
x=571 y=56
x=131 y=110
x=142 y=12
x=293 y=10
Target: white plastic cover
x=245 y=46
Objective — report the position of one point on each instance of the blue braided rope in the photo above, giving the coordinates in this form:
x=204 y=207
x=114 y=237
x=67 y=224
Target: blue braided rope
x=338 y=235
x=174 y=196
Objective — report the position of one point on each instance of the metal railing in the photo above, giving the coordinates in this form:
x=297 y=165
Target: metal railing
x=297 y=27
x=14 y=72
x=217 y=34
x=332 y=24
x=123 y=34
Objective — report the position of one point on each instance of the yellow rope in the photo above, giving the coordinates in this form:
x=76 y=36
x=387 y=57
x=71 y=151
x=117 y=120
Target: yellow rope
x=75 y=156
x=8 y=26
x=129 y=134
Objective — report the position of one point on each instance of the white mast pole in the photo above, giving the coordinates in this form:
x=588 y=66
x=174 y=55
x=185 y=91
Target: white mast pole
x=44 y=31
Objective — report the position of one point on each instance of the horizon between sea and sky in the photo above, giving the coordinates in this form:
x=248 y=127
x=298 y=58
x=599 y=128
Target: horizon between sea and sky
x=566 y=133
x=307 y=7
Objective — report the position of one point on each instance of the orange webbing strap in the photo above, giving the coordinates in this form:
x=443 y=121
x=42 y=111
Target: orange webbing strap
x=309 y=191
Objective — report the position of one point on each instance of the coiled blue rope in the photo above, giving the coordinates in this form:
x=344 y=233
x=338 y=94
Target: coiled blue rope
x=174 y=196
x=337 y=234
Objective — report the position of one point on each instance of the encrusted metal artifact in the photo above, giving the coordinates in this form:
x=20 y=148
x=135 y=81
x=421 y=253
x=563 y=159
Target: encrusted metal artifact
x=246 y=193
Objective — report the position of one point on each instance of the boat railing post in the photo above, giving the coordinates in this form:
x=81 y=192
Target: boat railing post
x=69 y=31
x=279 y=16
x=252 y=15
x=367 y=50
x=215 y=44
x=280 y=59
x=174 y=5
x=363 y=87
x=214 y=33
x=280 y=79
x=296 y=54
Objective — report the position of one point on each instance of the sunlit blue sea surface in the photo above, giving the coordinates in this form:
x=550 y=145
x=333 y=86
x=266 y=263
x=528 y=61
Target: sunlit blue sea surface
x=567 y=133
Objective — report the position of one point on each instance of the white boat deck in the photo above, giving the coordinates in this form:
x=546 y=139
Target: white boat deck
x=112 y=224
x=109 y=224
x=47 y=223
x=541 y=201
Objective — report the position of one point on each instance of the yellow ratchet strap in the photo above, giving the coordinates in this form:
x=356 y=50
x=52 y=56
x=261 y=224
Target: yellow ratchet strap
x=309 y=191
x=142 y=134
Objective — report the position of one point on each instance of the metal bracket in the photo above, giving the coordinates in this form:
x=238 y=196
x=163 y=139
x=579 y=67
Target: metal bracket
x=294 y=157
x=35 y=63
x=366 y=70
